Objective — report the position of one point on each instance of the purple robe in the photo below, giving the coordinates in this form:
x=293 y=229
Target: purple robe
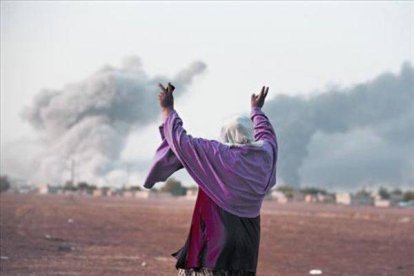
x=235 y=177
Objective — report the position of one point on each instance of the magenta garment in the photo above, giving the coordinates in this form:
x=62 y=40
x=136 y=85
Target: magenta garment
x=235 y=177
x=219 y=240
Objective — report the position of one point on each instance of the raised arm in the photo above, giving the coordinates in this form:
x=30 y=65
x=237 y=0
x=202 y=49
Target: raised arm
x=165 y=162
x=210 y=163
x=263 y=129
x=193 y=153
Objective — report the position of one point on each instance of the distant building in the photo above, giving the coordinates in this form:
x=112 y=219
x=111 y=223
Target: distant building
x=142 y=194
x=106 y=191
x=191 y=193
x=49 y=189
x=116 y=192
x=350 y=199
x=70 y=192
x=343 y=198
x=153 y=194
x=395 y=199
x=378 y=202
x=278 y=196
x=362 y=200
x=392 y=200
x=43 y=189
x=83 y=192
x=297 y=196
x=311 y=198
x=97 y=192
x=55 y=190
x=127 y=194
x=327 y=198
x=319 y=198
x=161 y=195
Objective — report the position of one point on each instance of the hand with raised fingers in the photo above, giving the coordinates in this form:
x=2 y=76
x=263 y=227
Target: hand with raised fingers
x=258 y=100
x=165 y=97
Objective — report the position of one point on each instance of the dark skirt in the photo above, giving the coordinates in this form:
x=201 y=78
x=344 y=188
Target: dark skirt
x=219 y=241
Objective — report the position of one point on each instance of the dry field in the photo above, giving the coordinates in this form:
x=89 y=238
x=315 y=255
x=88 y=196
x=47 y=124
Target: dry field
x=62 y=235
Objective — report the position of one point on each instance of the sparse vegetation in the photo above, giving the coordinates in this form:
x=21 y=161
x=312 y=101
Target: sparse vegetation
x=85 y=187
x=397 y=191
x=174 y=187
x=363 y=193
x=69 y=186
x=383 y=193
x=4 y=183
x=135 y=188
x=313 y=191
x=408 y=195
x=286 y=190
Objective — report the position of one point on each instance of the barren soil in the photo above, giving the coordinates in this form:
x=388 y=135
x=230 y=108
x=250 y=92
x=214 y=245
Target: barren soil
x=79 y=235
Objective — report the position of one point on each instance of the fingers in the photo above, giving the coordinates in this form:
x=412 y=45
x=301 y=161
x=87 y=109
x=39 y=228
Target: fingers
x=264 y=91
x=171 y=87
x=162 y=87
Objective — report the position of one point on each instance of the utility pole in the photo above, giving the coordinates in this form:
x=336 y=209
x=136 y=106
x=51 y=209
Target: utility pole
x=127 y=178
x=72 y=172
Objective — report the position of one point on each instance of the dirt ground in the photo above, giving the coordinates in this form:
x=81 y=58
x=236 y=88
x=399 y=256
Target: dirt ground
x=63 y=235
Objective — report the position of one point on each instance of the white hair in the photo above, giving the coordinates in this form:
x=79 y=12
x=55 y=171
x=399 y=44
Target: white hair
x=238 y=129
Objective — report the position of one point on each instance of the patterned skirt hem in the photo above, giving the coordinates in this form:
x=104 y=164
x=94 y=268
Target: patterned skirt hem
x=210 y=272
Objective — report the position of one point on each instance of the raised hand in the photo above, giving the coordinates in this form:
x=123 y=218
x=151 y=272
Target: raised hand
x=165 y=97
x=258 y=100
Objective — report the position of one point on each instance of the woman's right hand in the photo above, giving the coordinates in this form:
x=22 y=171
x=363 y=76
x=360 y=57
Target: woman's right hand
x=166 y=97
x=258 y=100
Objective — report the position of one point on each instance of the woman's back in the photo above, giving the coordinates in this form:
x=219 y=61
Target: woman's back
x=235 y=178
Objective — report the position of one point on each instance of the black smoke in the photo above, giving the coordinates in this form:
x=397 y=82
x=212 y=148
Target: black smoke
x=348 y=137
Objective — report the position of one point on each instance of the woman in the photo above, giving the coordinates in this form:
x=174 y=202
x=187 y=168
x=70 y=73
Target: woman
x=233 y=177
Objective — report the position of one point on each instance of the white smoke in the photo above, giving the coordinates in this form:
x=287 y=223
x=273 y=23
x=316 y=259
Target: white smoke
x=89 y=121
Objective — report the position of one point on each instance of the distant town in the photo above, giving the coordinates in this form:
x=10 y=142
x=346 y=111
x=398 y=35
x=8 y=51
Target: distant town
x=382 y=197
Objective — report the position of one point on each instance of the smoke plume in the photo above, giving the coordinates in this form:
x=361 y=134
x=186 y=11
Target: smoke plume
x=89 y=121
x=351 y=137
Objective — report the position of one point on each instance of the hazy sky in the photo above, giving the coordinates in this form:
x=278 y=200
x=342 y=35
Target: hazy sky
x=295 y=48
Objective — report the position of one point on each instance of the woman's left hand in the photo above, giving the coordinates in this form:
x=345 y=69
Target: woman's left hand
x=166 y=97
